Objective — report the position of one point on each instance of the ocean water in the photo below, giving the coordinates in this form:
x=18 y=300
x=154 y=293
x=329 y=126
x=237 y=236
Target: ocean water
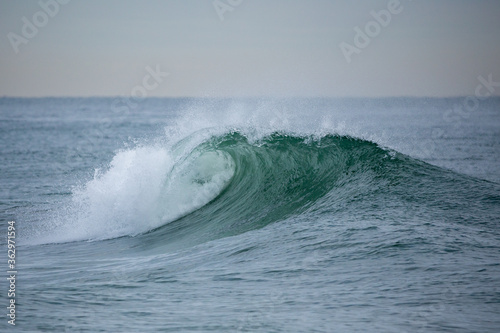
x=251 y=215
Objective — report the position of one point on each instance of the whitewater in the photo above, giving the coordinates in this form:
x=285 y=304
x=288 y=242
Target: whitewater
x=253 y=215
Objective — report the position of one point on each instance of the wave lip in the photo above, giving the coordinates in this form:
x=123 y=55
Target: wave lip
x=195 y=182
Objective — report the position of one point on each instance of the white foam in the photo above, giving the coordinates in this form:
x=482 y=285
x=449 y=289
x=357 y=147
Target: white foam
x=148 y=186
x=143 y=188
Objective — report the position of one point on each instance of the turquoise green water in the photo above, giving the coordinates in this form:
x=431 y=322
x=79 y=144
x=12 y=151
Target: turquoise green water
x=248 y=216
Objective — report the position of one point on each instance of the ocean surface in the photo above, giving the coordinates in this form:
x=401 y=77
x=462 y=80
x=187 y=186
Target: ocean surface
x=251 y=215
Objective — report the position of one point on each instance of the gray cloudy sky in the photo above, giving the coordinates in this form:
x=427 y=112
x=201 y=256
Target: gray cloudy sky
x=261 y=47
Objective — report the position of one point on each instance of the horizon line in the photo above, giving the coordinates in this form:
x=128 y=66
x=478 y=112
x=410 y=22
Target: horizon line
x=244 y=97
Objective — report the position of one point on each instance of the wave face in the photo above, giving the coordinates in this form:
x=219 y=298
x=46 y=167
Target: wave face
x=208 y=186
x=252 y=219
x=281 y=176
x=241 y=184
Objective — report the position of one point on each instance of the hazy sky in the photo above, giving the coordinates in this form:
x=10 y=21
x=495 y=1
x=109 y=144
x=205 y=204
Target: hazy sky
x=261 y=47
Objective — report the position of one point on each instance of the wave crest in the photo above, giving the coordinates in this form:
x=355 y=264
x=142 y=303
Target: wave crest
x=229 y=182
